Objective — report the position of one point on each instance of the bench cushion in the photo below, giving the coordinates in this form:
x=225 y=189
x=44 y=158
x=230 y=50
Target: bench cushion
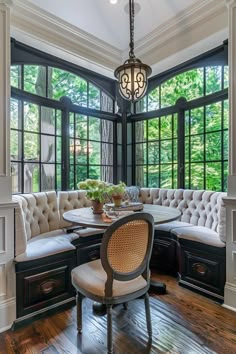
x=199 y=234
x=47 y=244
x=169 y=226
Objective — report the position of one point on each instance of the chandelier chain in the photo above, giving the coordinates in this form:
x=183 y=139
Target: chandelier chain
x=131 y=17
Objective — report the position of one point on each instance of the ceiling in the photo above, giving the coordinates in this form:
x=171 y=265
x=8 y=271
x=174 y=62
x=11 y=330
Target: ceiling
x=95 y=33
x=110 y=23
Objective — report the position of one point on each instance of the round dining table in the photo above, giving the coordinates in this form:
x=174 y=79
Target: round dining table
x=85 y=217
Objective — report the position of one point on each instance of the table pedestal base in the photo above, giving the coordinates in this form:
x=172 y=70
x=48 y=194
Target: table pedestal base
x=158 y=287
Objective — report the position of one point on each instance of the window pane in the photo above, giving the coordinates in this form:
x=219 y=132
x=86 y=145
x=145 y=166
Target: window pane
x=63 y=83
x=140 y=153
x=16 y=177
x=226 y=145
x=94 y=152
x=94 y=129
x=72 y=125
x=213 y=174
x=58 y=118
x=47 y=148
x=31 y=117
x=153 y=176
x=106 y=154
x=213 y=146
x=58 y=142
x=94 y=96
x=81 y=126
x=213 y=79
x=16 y=76
x=35 y=79
x=166 y=127
x=175 y=121
x=107 y=174
x=47 y=120
x=153 y=99
x=16 y=120
x=197 y=147
x=81 y=151
x=175 y=178
x=188 y=84
x=31 y=178
x=213 y=117
x=141 y=176
x=140 y=131
x=81 y=173
x=226 y=77
x=166 y=176
x=71 y=177
x=153 y=153
x=106 y=103
x=16 y=147
x=31 y=147
x=166 y=151
x=95 y=172
x=141 y=105
x=47 y=177
x=197 y=176
x=187 y=123
x=58 y=171
x=197 y=120
x=226 y=114
x=153 y=129
x=107 y=131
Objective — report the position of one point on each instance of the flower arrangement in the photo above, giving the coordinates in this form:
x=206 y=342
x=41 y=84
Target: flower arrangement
x=117 y=189
x=96 y=190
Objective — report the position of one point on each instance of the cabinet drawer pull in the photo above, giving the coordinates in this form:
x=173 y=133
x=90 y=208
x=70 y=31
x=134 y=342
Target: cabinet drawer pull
x=93 y=255
x=47 y=286
x=200 y=268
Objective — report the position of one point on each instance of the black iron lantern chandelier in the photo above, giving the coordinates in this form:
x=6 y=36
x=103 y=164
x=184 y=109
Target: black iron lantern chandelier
x=133 y=74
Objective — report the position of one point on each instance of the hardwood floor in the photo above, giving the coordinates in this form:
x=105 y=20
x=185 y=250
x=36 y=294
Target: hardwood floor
x=183 y=322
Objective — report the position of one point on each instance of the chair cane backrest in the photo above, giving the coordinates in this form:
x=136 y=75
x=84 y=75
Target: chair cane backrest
x=126 y=247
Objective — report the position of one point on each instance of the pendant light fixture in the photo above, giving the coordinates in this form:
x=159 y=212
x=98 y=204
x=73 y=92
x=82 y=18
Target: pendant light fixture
x=132 y=75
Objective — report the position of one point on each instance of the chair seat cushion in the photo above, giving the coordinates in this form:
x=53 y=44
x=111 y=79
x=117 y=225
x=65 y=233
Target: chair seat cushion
x=167 y=227
x=92 y=278
x=47 y=244
x=199 y=234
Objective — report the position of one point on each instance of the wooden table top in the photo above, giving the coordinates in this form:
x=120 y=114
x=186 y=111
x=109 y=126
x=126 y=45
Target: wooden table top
x=85 y=216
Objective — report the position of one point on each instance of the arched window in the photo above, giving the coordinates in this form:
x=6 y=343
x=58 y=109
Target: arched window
x=185 y=143
x=56 y=141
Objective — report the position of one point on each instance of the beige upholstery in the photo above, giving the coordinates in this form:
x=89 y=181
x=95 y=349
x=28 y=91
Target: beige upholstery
x=39 y=225
x=169 y=226
x=46 y=245
x=198 y=208
x=199 y=234
x=92 y=277
x=40 y=212
x=71 y=200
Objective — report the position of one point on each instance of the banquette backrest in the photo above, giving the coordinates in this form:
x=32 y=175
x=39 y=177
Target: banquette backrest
x=71 y=200
x=197 y=207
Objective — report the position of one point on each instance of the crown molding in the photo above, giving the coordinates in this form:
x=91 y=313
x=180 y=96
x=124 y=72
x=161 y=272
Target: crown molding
x=184 y=23
x=39 y=24
x=186 y=29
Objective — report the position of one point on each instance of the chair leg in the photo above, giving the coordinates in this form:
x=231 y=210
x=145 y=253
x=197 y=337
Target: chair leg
x=109 y=330
x=125 y=305
x=148 y=315
x=79 y=312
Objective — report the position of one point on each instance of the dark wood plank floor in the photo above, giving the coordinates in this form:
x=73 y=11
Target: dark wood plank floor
x=183 y=322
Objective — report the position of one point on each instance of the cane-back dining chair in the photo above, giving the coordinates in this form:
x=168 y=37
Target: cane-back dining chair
x=122 y=274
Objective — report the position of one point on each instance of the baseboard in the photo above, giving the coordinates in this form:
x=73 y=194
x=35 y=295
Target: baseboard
x=7 y=313
x=199 y=290
x=230 y=296
x=61 y=306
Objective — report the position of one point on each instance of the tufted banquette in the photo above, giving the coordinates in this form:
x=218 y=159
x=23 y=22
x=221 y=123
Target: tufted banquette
x=194 y=246
x=47 y=247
